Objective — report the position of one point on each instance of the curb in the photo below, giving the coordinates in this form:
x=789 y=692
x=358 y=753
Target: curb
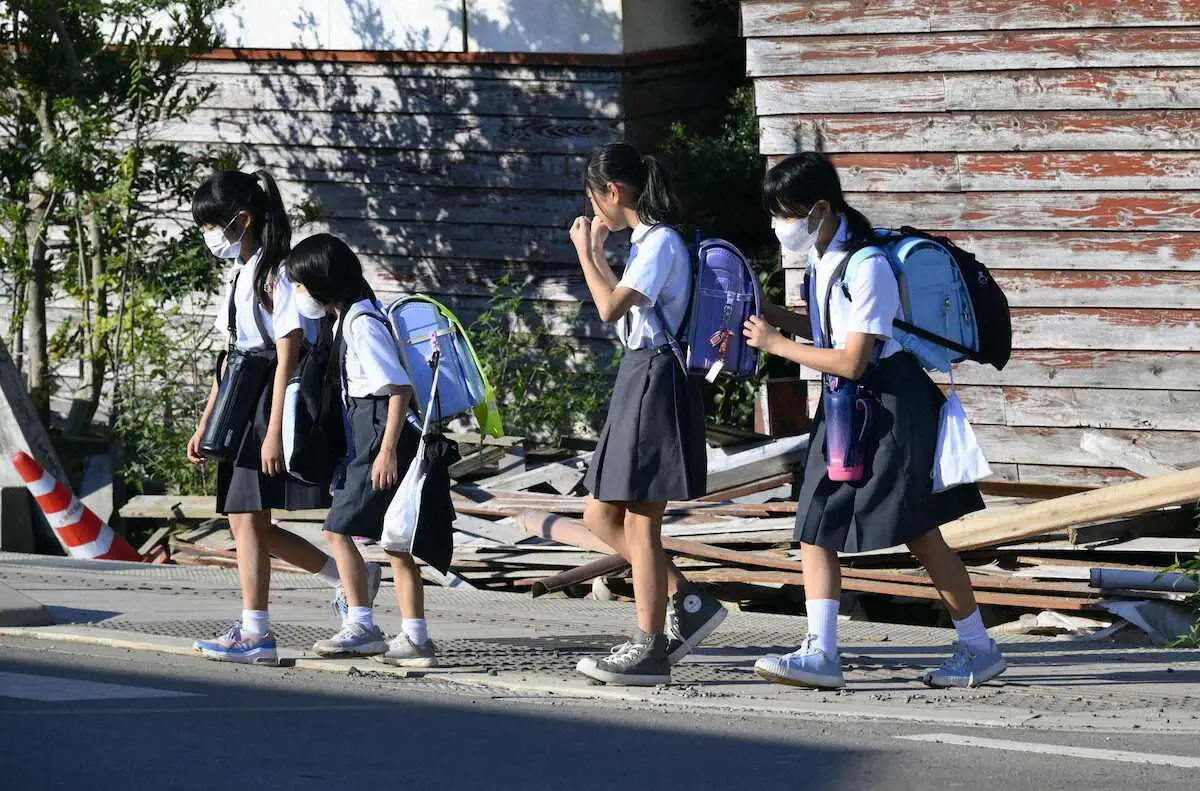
x=473 y=678
x=17 y=609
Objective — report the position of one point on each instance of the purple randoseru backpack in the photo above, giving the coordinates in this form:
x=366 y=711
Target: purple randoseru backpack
x=725 y=294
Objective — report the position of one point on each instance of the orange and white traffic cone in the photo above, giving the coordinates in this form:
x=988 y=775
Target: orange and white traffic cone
x=79 y=530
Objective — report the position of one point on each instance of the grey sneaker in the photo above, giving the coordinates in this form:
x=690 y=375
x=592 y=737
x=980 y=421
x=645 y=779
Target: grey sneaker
x=641 y=662
x=968 y=667
x=691 y=617
x=807 y=666
x=402 y=652
x=341 y=607
x=353 y=640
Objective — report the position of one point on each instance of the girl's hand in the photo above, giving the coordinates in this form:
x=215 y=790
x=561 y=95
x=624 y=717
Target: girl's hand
x=599 y=235
x=193 y=446
x=272 y=454
x=581 y=231
x=385 y=472
x=761 y=335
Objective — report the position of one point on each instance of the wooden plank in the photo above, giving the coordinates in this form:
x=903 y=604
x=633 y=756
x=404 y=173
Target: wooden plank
x=1171 y=522
x=1106 y=329
x=1028 y=249
x=1060 y=446
x=1122 y=453
x=1050 y=211
x=1087 y=369
x=562 y=476
x=350 y=131
x=1114 y=502
x=1075 y=289
x=1017 y=171
x=983 y=405
x=836 y=17
x=306 y=65
x=930 y=92
x=1167 y=410
x=1134 y=130
x=973 y=51
x=1087 y=477
x=736 y=467
x=350 y=90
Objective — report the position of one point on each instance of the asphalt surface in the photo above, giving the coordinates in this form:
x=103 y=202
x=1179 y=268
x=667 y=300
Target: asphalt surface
x=85 y=717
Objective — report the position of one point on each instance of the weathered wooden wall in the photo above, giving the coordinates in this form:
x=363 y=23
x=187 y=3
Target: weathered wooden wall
x=1060 y=142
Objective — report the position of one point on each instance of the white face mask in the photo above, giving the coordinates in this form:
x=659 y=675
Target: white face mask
x=794 y=235
x=220 y=246
x=309 y=308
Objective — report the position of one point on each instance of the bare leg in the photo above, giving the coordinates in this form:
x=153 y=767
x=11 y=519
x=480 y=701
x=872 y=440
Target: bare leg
x=822 y=572
x=948 y=573
x=643 y=536
x=351 y=568
x=254 y=561
x=606 y=521
x=300 y=552
x=410 y=590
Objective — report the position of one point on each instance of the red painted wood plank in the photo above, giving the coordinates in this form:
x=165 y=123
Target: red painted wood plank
x=1117 y=130
x=1026 y=211
x=980 y=51
x=1106 y=329
x=1071 y=89
x=1167 y=410
x=834 y=17
x=1100 y=289
x=1103 y=250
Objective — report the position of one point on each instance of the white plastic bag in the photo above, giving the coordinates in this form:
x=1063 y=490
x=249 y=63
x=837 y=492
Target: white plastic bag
x=958 y=458
x=400 y=521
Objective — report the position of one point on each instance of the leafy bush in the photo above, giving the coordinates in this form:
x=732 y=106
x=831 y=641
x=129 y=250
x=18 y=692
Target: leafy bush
x=547 y=389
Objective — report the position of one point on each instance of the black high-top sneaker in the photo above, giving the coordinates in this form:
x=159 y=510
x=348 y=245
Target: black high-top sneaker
x=691 y=617
x=641 y=662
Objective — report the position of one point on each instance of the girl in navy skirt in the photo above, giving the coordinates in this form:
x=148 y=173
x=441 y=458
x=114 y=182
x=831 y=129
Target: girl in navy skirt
x=651 y=449
x=244 y=223
x=382 y=442
x=894 y=502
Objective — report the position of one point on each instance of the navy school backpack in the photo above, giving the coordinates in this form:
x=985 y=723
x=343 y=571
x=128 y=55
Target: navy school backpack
x=314 y=433
x=725 y=294
x=952 y=307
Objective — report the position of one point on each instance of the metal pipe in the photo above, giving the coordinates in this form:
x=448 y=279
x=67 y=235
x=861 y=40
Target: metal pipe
x=1172 y=581
x=600 y=567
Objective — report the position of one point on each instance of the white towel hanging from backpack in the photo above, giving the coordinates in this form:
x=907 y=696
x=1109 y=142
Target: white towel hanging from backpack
x=958 y=458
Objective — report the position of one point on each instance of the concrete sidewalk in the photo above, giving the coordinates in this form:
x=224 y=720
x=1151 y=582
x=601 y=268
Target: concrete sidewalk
x=513 y=643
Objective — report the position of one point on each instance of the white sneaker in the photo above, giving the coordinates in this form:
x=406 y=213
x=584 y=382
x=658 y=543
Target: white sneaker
x=807 y=666
x=341 y=607
x=354 y=639
x=402 y=652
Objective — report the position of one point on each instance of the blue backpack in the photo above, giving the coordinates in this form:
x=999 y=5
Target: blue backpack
x=725 y=294
x=952 y=307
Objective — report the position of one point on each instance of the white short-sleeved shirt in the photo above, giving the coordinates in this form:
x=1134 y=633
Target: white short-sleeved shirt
x=284 y=319
x=660 y=269
x=874 y=295
x=372 y=357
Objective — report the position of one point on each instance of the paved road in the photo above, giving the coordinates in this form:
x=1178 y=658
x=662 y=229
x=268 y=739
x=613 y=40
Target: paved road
x=82 y=718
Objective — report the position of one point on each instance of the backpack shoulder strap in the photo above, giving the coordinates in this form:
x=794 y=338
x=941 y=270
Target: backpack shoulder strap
x=340 y=340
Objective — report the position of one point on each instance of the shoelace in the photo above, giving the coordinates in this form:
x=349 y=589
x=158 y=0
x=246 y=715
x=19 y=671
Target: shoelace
x=961 y=657
x=234 y=634
x=347 y=633
x=623 y=652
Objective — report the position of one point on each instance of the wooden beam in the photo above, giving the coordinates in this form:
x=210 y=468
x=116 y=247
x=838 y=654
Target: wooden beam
x=1113 y=502
x=1123 y=453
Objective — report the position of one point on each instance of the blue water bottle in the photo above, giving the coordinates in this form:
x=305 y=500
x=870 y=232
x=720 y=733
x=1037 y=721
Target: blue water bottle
x=847 y=418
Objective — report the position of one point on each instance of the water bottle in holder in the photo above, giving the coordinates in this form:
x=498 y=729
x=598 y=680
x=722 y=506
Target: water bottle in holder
x=847 y=420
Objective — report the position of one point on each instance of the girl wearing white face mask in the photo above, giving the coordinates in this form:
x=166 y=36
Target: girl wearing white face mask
x=244 y=224
x=889 y=499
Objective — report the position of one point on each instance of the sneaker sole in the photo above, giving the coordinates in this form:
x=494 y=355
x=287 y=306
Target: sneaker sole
x=373 y=649
x=812 y=682
x=587 y=667
x=422 y=661
x=268 y=660
x=701 y=634
x=972 y=681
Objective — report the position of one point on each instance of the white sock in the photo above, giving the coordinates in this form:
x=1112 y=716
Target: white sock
x=329 y=573
x=363 y=616
x=823 y=623
x=972 y=632
x=256 y=621
x=416 y=629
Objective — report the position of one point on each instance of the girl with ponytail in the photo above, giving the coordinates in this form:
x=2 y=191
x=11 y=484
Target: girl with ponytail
x=651 y=449
x=244 y=223
x=889 y=499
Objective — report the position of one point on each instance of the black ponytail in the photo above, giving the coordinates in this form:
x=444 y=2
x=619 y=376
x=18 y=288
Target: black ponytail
x=275 y=236
x=620 y=163
x=219 y=199
x=796 y=184
x=329 y=270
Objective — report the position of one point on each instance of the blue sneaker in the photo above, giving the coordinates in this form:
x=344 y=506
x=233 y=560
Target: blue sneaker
x=807 y=666
x=968 y=667
x=353 y=640
x=234 y=646
x=341 y=607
